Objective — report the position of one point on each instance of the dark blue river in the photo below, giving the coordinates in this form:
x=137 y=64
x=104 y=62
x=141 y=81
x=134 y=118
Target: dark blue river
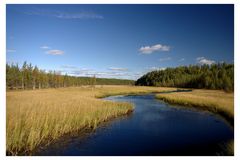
x=154 y=128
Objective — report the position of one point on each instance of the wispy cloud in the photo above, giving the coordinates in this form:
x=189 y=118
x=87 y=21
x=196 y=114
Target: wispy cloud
x=55 y=52
x=85 y=72
x=79 y=15
x=149 y=69
x=182 y=59
x=155 y=68
x=48 y=50
x=11 y=50
x=108 y=74
x=64 y=14
x=203 y=60
x=154 y=48
x=111 y=72
x=102 y=74
x=222 y=62
x=165 y=59
x=69 y=67
x=45 y=47
x=80 y=72
x=118 y=69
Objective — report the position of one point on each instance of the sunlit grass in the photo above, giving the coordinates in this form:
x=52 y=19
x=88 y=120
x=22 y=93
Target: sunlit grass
x=36 y=117
x=213 y=100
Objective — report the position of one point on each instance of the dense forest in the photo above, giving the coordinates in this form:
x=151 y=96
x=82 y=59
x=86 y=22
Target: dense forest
x=215 y=76
x=29 y=77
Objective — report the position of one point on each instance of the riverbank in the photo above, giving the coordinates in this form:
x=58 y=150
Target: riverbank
x=215 y=101
x=163 y=129
x=37 y=117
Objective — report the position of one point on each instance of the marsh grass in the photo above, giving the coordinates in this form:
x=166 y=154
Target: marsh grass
x=38 y=117
x=215 y=101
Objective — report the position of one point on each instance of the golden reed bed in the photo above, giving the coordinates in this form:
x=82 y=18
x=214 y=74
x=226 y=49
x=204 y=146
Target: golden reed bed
x=35 y=117
x=215 y=101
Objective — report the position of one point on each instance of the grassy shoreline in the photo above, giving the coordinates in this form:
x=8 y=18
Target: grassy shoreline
x=35 y=117
x=215 y=101
x=38 y=117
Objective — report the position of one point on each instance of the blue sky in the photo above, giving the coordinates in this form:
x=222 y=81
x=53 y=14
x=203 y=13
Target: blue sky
x=119 y=41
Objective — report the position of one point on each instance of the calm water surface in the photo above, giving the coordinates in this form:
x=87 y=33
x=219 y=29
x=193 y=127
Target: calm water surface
x=154 y=128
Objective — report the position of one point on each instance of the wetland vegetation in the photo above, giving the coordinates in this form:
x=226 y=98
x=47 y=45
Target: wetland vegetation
x=165 y=70
x=39 y=116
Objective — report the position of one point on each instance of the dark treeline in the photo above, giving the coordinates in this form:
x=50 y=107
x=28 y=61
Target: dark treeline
x=215 y=76
x=29 y=77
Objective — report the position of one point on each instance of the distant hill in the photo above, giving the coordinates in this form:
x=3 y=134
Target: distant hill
x=215 y=76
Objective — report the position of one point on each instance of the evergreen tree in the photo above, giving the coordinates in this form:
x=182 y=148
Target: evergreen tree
x=29 y=77
x=216 y=76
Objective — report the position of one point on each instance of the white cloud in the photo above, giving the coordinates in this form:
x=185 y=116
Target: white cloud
x=203 y=60
x=65 y=15
x=155 y=68
x=111 y=72
x=117 y=69
x=100 y=74
x=79 y=15
x=149 y=69
x=165 y=59
x=154 y=48
x=48 y=50
x=182 y=59
x=69 y=67
x=222 y=62
x=97 y=74
x=80 y=72
x=45 y=47
x=11 y=50
x=55 y=52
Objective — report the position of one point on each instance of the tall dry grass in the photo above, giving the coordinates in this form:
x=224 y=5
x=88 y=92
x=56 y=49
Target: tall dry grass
x=37 y=117
x=213 y=100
